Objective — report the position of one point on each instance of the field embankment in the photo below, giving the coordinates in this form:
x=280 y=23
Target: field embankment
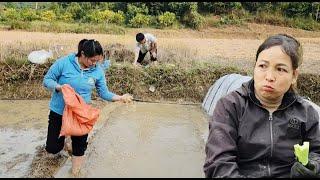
x=171 y=83
x=189 y=61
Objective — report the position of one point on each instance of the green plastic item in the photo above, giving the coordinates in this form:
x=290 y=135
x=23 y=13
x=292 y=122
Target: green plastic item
x=302 y=152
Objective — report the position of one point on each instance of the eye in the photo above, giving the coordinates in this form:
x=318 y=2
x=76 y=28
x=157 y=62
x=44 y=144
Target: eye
x=262 y=66
x=282 y=70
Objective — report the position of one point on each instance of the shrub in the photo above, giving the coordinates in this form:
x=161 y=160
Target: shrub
x=139 y=21
x=66 y=17
x=75 y=9
x=118 y=18
x=231 y=19
x=94 y=16
x=167 y=19
x=48 y=16
x=133 y=11
x=304 y=23
x=11 y=14
x=194 y=20
x=29 y=15
x=275 y=18
x=112 y=17
x=107 y=16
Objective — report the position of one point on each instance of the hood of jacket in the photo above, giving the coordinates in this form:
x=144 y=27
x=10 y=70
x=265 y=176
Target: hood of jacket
x=74 y=60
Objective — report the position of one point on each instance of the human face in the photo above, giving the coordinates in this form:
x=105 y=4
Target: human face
x=143 y=41
x=273 y=74
x=90 y=61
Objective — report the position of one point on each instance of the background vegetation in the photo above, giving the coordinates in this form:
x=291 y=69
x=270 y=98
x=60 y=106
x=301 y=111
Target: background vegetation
x=179 y=77
x=112 y=17
x=24 y=81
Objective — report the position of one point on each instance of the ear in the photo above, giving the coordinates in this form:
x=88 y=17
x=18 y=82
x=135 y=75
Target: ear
x=295 y=76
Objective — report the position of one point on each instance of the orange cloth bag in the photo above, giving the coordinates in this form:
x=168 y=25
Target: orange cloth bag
x=78 y=117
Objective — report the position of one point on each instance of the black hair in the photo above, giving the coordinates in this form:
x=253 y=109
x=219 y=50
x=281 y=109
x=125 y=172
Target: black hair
x=80 y=47
x=289 y=45
x=139 y=37
x=90 y=48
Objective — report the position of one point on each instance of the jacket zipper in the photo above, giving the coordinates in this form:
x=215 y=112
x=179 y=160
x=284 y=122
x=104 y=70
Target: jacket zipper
x=271 y=137
x=271 y=133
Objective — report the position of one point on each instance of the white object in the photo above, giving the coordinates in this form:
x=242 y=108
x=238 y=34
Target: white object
x=220 y=88
x=152 y=88
x=40 y=57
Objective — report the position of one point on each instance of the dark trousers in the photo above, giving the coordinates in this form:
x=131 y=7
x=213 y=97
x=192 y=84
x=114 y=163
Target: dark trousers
x=142 y=55
x=55 y=144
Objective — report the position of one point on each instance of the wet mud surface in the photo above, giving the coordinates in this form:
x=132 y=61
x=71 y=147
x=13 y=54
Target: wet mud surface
x=23 y=130
x=135 y=140
x=147 y=140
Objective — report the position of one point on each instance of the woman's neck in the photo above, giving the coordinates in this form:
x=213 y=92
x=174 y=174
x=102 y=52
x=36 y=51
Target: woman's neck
x=270 y=105
x=80 y=61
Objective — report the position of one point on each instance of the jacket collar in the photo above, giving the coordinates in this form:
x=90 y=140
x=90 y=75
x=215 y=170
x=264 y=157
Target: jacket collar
x=74 y=60
x=289 y=97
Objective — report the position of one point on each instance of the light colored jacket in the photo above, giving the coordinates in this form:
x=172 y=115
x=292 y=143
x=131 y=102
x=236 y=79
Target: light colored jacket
x=66 y=70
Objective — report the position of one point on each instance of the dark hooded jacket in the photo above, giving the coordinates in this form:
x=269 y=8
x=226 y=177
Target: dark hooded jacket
x=245 y=140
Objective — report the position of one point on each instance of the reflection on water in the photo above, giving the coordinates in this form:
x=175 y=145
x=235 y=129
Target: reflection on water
x=22 y=128
x=149 y=140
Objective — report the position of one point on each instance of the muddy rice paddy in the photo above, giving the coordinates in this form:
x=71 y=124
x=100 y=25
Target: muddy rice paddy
x=135 y=140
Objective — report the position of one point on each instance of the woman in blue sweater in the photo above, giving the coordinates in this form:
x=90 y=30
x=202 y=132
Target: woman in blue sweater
x=83 y=74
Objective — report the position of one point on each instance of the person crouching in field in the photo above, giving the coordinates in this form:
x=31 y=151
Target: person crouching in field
x=80 y=71
x=253 y=129
x=145 y=43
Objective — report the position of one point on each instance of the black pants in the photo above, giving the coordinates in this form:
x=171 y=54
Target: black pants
x=55 y=143
x=142 y=55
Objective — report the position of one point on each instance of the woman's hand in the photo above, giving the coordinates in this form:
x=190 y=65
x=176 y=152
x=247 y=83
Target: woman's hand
x=58 y=88
x=126 y=98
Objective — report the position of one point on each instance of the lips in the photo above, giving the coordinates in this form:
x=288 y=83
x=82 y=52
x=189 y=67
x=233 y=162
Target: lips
x=268 y=88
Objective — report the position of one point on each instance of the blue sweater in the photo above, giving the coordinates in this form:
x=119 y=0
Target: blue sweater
x=66 y=70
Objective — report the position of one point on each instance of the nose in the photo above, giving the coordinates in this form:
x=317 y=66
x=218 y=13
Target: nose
x=270 y=76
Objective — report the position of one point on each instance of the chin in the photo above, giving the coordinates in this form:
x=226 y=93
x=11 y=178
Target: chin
x=270 y=96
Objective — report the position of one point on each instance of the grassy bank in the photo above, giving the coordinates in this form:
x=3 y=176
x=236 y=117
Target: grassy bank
x=172 y=83
x=63 y=27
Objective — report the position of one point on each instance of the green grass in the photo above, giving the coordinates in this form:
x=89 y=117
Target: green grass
x=234 y=18
x=62 y=27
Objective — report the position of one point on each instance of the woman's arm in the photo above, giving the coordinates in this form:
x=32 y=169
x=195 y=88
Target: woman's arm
x=105 y=94
x=221 y=147
x=311 y=135
x=50 y=80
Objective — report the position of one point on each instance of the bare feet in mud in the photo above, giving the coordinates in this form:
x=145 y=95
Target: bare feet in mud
x=68 y=146
x=45 y=165
x=77 y=162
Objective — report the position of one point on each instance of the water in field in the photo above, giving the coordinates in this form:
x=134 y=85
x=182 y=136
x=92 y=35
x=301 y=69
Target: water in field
x=22 y=128
x=149 y=140
x=135 y=140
